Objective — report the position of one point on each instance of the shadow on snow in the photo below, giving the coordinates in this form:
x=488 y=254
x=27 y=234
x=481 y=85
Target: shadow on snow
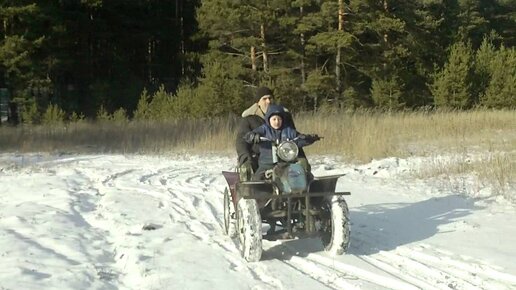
x=386 y=226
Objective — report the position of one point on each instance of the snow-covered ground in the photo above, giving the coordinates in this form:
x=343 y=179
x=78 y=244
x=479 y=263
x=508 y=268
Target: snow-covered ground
x=141 y=222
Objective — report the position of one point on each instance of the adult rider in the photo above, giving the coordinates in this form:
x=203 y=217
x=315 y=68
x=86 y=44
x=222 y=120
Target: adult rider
x=253 y=117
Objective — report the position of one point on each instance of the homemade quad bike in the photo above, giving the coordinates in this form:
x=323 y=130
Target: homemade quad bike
x=292 y=201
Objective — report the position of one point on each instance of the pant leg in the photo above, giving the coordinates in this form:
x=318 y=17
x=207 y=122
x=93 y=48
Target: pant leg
x=245 y=171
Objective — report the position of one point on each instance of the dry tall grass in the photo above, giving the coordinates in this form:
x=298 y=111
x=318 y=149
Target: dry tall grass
x=131 y=137
x=366 y=135
x=358 y=136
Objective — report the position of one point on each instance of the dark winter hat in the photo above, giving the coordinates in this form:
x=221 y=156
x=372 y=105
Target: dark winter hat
x=262 y=91
x=274 y=110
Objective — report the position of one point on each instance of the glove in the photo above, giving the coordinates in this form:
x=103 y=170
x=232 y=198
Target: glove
x=314 y=137
x=252 y=138
x=310 y=138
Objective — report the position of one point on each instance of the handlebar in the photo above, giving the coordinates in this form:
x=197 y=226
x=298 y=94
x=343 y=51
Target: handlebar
x=315 y=136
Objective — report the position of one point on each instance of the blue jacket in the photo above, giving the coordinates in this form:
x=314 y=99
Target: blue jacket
x=285 y=132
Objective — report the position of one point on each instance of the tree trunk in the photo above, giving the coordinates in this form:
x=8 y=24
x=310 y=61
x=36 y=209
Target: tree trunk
x=149 y=59
x=253 y=58
x=339 y=49
x=385 y=36
x=5 y=28
x=386 y=9
x=302 y=39
x=264 y=49
x=177 y=12
x=183 y=47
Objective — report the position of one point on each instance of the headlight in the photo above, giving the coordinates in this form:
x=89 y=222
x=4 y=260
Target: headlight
x=287 y=151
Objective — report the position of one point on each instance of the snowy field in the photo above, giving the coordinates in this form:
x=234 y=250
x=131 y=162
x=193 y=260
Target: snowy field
x=140 y=222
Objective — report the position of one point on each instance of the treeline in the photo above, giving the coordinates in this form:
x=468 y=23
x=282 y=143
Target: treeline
x=177 y=58
x=84 y=54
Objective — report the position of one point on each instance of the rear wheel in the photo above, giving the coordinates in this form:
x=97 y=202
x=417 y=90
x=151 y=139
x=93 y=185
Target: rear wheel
x=335 y=225
x=249 y=226
x=229 y=215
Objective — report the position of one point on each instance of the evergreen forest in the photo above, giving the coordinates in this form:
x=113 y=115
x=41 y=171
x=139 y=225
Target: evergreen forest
x=172 y=59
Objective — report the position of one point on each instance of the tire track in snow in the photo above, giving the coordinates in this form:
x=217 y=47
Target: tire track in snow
x=193 y=201
x=147 y=178
x=368 y=276
x=258 y=271
x=427 y=273
x=190 y=191
x=95 y=216
x=128 y=250
x=339 y=275
x=152 y=185
x=316 y=268
x=388 y=268
x=445 y=271
x=329 y=278
x=111 y=178
x=429 y=267
x=183 y=201
x=208 y=226
x=166 y=185
x=192 y=198
x=444 y=259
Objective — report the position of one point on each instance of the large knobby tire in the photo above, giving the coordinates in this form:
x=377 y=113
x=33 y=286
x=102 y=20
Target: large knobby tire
x=229 y=215
x=335 y=230
x=249 y=225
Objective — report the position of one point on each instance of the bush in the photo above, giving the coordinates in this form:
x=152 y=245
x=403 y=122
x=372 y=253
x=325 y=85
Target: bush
x=76 y=118
x=119 y=117
x=30 y=113
x=103 y=115
x=53 y=115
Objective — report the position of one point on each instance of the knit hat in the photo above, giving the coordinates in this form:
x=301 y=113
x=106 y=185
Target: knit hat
x=274 y=110
x=262 y=91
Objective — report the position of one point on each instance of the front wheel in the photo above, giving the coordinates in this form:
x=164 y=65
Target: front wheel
x=249 y=225
x=335 y=225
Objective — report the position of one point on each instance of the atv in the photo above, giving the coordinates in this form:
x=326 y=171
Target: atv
x=293 y=202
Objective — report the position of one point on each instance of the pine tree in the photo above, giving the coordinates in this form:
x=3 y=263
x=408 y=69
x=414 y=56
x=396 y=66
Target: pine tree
x=383 y=43
x=473 y=26
x=422 y=47
x=320 y=86
x=501 y=19
x=482 y=68
x=387 y=94
x=452 y=85
x=161 y=105
x=19 y=42
x=501 y=89
x=53 y=116
x=143 y=111
x=219 y=91
x=235 y=28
